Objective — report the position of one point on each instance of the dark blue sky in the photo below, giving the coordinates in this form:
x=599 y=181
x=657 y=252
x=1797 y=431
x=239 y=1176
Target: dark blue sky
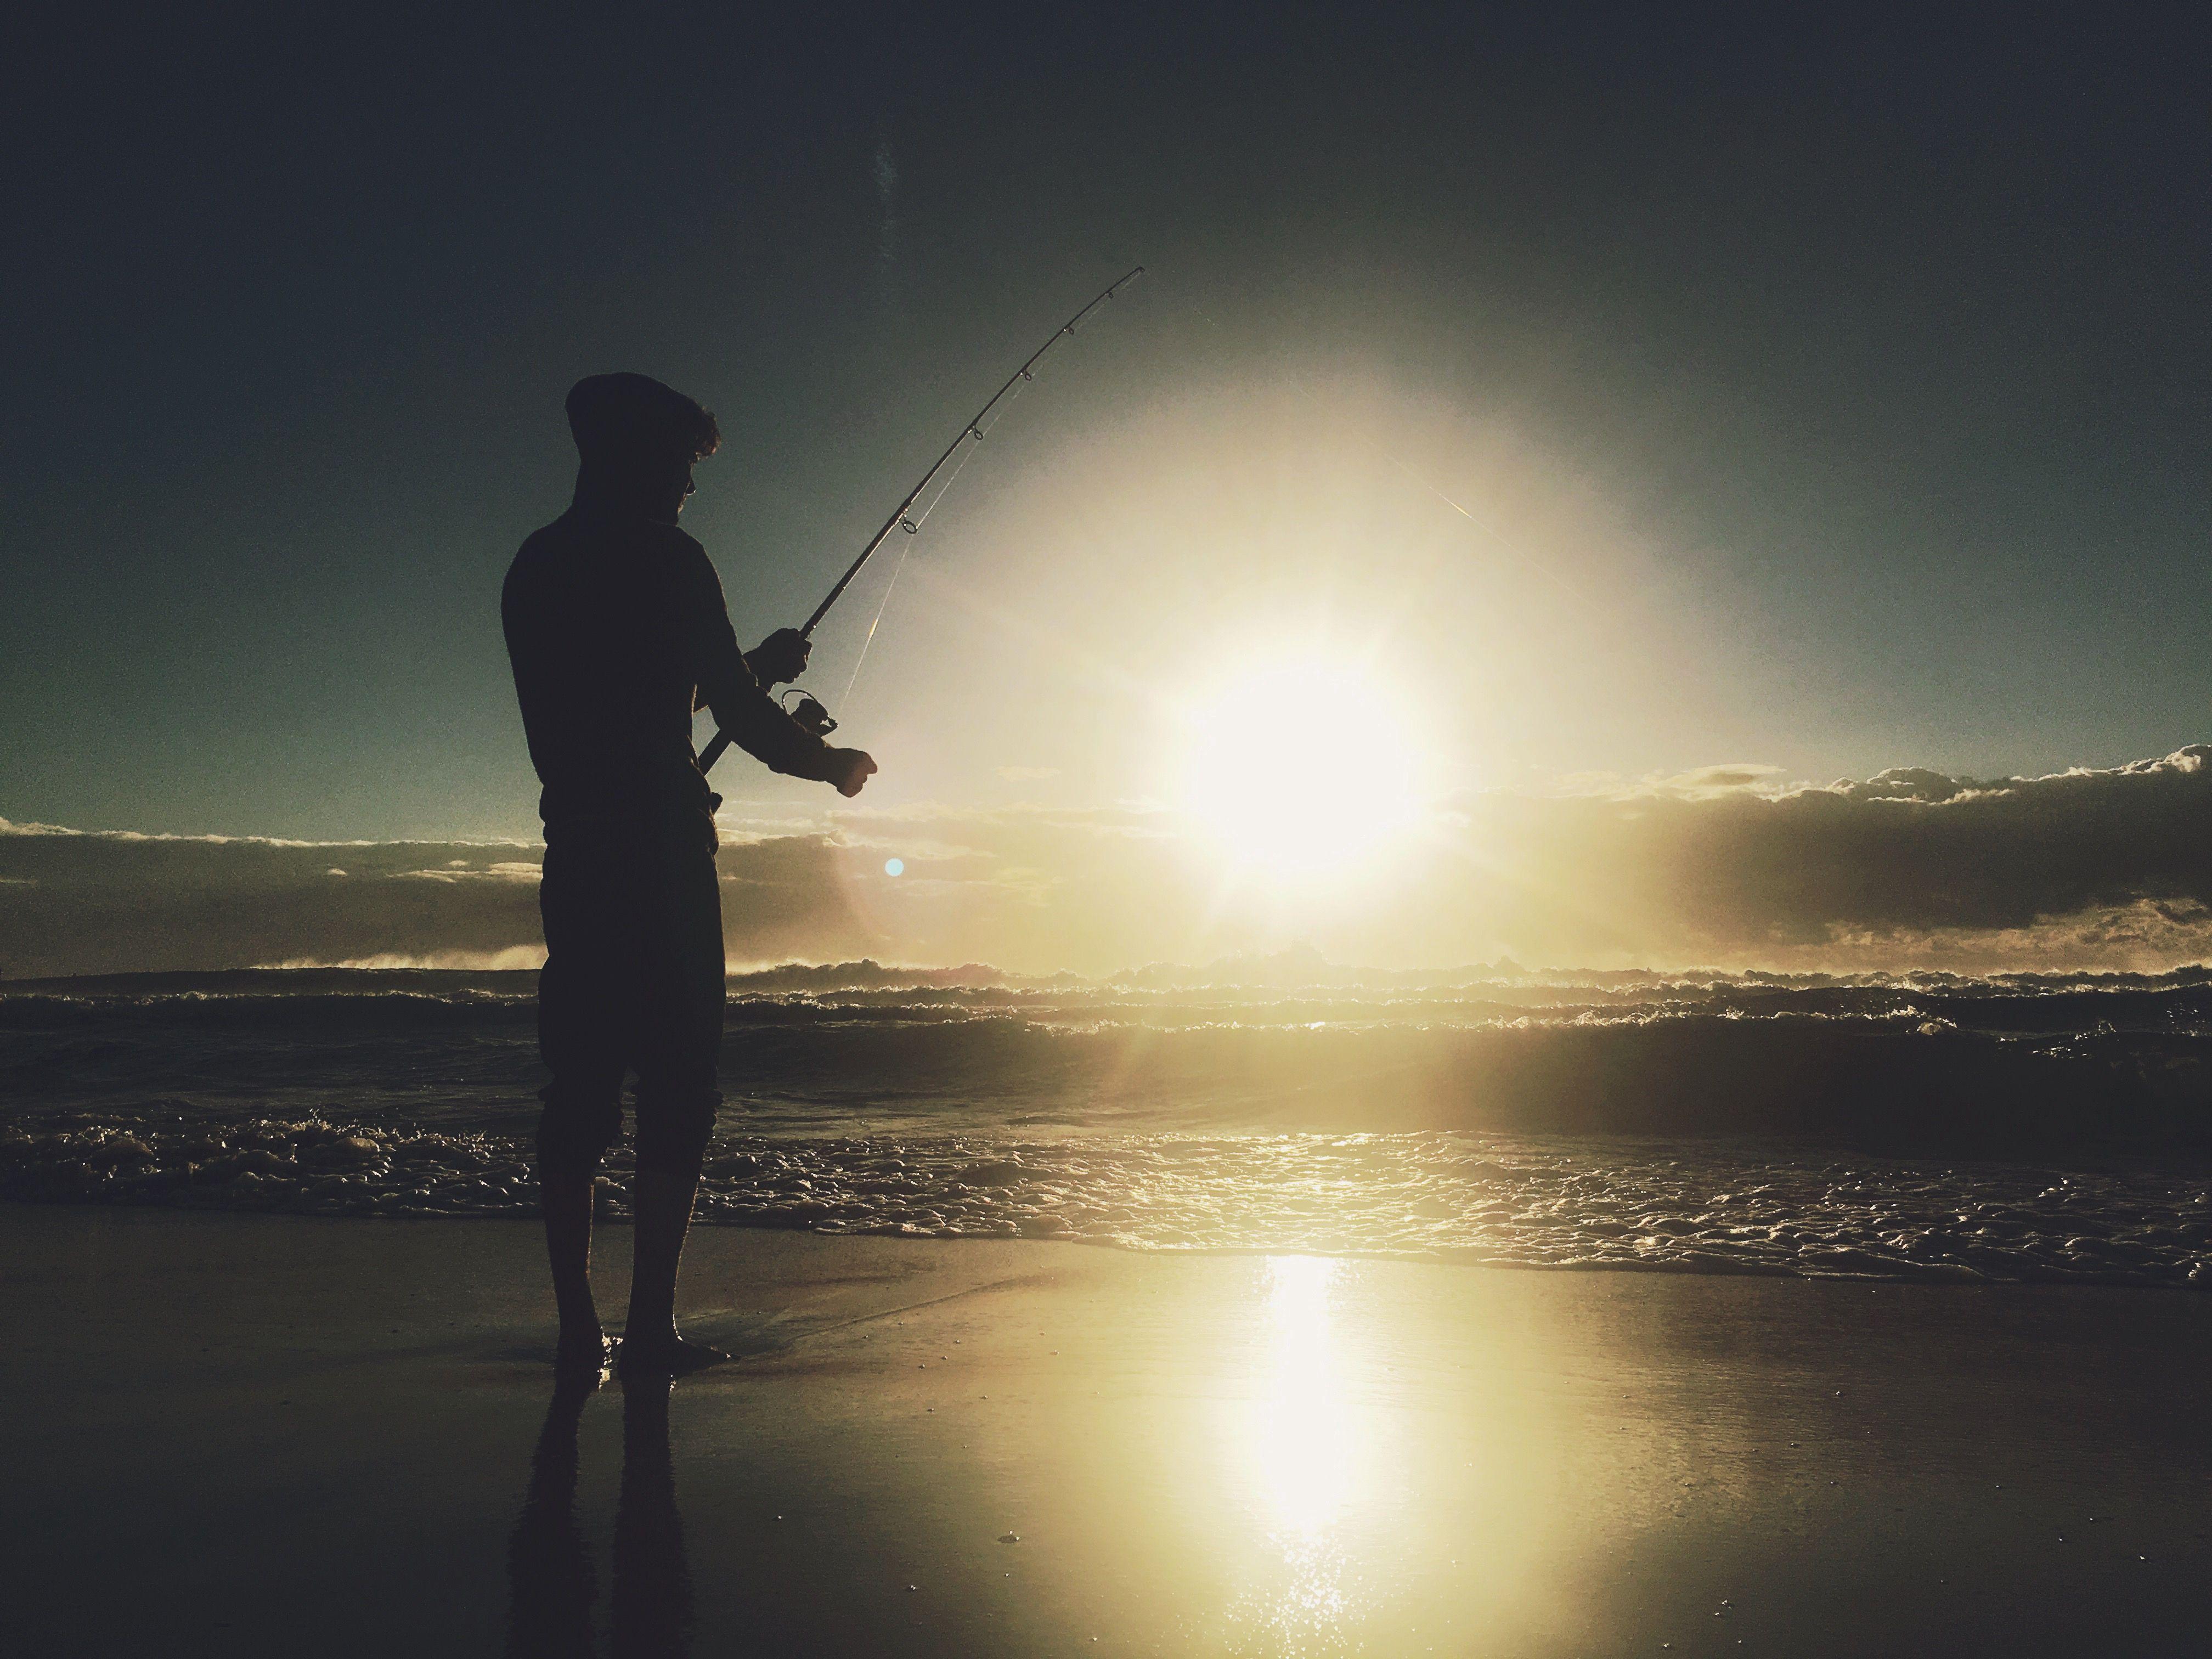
x=1851 y=376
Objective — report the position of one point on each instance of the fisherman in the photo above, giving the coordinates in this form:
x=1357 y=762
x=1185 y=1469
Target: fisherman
x=618 y=633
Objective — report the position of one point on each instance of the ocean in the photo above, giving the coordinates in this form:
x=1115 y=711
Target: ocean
x=2022 y=1128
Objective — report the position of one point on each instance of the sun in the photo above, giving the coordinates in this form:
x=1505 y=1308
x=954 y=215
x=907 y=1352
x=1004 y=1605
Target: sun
x=1299 y=767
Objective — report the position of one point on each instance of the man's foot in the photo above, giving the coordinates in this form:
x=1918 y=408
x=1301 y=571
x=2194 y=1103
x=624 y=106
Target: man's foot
x=668 y=1355
x=578 y=1358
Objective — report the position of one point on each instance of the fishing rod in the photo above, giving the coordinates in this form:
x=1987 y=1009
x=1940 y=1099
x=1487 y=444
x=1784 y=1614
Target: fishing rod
x=809 y=713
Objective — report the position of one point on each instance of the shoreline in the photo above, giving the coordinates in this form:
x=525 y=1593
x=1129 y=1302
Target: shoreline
x=1465 y=1260
x=277 y=1436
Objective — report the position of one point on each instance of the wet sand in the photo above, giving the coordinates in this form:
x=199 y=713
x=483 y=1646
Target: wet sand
x=277 y=1435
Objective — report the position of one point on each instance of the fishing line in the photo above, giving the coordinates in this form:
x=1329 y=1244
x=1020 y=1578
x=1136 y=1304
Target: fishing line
x=966 y=456
x=809 y=713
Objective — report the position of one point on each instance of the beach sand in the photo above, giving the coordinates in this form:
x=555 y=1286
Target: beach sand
x=263 y=1434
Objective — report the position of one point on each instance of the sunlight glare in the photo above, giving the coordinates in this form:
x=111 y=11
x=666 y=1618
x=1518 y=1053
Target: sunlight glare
x=1300 y=767
x=1304 y=1425
x=1305 y=1453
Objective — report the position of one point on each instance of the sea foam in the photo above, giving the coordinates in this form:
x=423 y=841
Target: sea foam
x=1940 y=1128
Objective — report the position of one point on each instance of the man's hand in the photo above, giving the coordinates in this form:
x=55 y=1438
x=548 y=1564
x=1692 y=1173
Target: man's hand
x=779 y=658
x=848 y=769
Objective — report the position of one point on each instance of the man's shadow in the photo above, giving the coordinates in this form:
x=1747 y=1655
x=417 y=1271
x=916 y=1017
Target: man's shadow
x=551 y=1585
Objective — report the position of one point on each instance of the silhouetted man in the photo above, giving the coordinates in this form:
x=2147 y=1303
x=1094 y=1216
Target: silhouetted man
x=618 y=633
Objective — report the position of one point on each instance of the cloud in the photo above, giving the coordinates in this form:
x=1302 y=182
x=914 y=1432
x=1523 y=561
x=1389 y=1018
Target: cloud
x=79 y=902
x=1705 y=780
x=457 y=870
x=1722 y=867
x=2089 y=867
x=1916 y=850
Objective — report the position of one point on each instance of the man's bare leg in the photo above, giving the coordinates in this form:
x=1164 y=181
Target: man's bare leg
x=567 y=1202
x=660 y=1207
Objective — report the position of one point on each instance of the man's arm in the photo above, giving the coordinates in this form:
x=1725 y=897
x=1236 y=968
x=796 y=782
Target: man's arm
x=756 y=722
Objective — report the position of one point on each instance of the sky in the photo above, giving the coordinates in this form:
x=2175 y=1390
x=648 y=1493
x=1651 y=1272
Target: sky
x=1606 y=397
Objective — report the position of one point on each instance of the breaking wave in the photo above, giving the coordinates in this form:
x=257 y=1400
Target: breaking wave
x=2019 y=1128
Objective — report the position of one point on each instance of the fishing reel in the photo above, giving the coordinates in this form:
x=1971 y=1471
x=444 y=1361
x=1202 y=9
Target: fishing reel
x=808 y=713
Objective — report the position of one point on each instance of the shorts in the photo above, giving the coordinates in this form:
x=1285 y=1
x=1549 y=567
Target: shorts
x=633 y=981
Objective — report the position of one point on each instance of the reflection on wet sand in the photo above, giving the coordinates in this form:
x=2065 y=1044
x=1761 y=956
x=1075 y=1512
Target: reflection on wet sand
x=1305 y=1454
x=1202 y=1456
x=653 y=1578
x=550 y=1581
x=552 y=1586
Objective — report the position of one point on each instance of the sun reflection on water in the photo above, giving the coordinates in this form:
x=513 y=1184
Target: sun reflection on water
x=1304 y=1436
x=1303 y=1446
